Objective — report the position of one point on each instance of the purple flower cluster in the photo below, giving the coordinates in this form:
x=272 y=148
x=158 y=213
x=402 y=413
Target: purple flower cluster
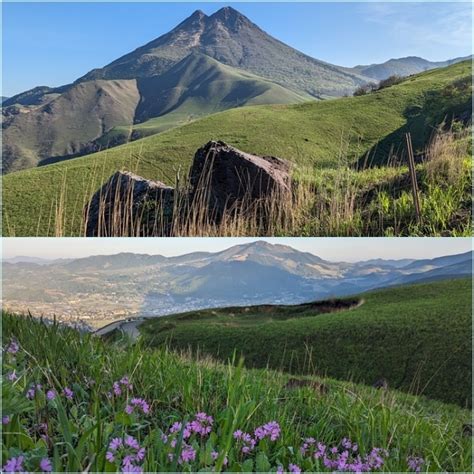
x=188 y=454
x=33 y=390
x=17 y=464
x=11 y=376
x=119 y=386
x=13 y=347
x=137 y=403
x=50 y=394
x=68 y=393
x=415 y=463
x=14 y=465
x=201 y=426
x=245 y=440
x=270 y=430
x=344 y=457
x=291 y=468
x=5 y=420
x=42 y=430
x=126 y=453
x=215 y=455
x=45 y=465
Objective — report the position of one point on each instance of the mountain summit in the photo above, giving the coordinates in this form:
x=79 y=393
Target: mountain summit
x=232 y=39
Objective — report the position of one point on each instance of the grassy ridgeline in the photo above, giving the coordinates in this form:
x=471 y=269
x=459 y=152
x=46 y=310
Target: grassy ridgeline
x=319 y=135
x=176 y=387
x=417 y=337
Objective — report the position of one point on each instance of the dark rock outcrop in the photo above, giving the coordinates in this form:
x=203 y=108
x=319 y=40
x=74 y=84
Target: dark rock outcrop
x=129 y=205
x=225 y=178
x=381 y=384
x=318 y=387
x=467 y=430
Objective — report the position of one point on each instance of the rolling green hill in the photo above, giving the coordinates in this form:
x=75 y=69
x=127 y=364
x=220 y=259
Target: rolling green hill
x=176 y=387
x=417 y=337
x=314 y=135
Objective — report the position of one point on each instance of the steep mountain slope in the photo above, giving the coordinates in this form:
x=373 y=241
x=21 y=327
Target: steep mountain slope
x=312 y=135
x=66 y=124
x=232 y=39
x=417 y=337
x=403 y=67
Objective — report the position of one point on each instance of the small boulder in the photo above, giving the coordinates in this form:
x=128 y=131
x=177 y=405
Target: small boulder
x=318 y=387
x=381 y=384
x=225 y=178
x=129 y=205
x=467 y=430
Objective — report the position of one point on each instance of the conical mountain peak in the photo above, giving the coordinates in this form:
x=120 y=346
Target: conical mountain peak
x=198 y=14
x=227 y=12
x=234 y=40
x=229 y=17
x=195 y=18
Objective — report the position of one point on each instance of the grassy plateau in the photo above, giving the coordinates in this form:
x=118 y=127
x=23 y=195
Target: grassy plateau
x=349 y=156
x=75 y=403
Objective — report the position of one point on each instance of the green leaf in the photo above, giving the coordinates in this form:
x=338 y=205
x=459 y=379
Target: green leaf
x=262 y=462
x=247 y=466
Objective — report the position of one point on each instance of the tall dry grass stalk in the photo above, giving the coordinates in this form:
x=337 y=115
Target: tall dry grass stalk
x=445 y=155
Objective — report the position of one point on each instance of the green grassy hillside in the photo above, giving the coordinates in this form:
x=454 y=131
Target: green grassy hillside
x=81 y=423
x=195 y=87
x=314 y=135
x=417 y=337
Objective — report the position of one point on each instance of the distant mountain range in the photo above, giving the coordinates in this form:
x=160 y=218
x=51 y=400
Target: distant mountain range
x=403 y=67
x=253 y=273
x=205 y=65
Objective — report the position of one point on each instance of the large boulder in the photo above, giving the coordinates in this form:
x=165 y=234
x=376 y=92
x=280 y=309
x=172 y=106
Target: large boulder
x=129 y=205
x=225 y=178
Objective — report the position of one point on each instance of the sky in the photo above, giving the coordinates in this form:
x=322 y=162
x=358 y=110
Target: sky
x=333 y=249
x=55 y=43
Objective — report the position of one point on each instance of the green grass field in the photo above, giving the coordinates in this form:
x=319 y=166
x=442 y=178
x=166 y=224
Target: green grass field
x=73 y=430
x=416 y=337
x=317 y=136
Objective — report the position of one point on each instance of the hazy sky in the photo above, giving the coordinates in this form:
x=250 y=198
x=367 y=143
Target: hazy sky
x=55 y=43
x=335 y=249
